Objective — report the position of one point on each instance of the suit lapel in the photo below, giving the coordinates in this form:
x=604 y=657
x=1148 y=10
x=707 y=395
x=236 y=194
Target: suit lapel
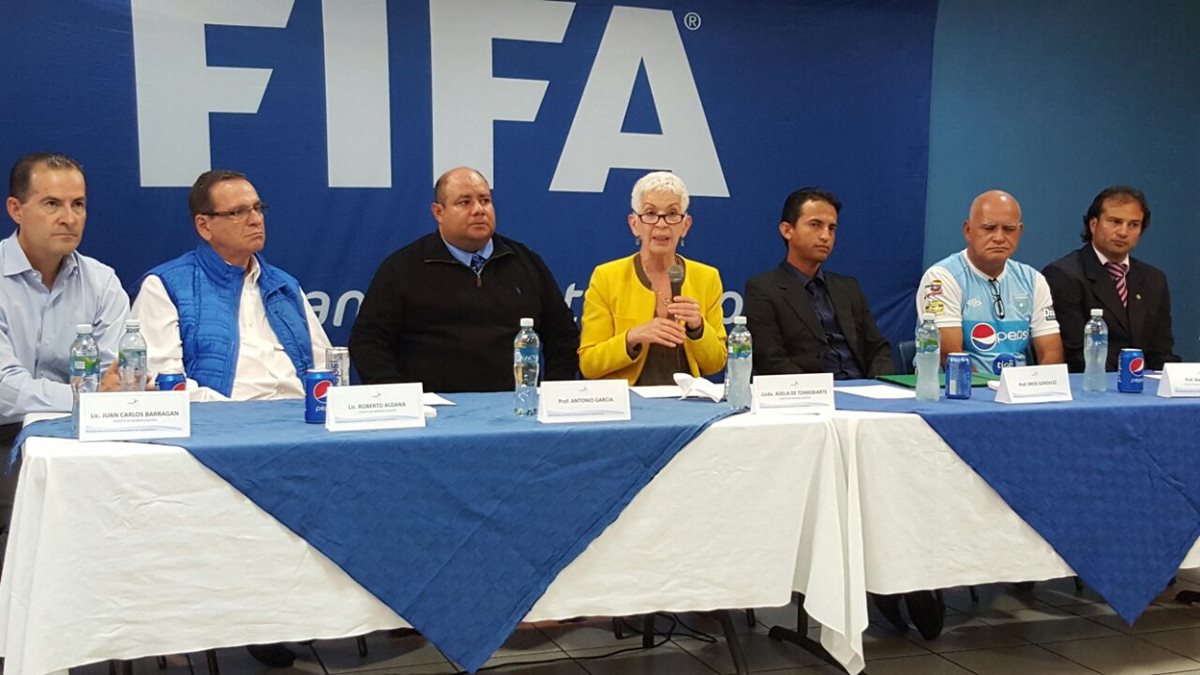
x=797 y=298
x=1135 y=284
x=844 y=314
x=1104 y=288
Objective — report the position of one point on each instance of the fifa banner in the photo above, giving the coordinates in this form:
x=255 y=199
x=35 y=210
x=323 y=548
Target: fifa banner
x=343 y=112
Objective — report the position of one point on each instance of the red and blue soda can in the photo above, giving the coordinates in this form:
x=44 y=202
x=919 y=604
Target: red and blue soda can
x=1129 y=375
x=171 y=381
x=958 y=375
x=316 y=391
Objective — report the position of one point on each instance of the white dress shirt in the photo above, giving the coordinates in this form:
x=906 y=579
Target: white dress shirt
x=263 y=368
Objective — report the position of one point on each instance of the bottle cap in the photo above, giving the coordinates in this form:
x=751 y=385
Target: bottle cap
x=526 y=322
x=739 y=320
x=1097 y=312
x=927 y=316
x=133 y=324
x=83 y=329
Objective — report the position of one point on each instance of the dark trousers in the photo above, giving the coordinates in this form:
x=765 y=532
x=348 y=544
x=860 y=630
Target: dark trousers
x=8 y=484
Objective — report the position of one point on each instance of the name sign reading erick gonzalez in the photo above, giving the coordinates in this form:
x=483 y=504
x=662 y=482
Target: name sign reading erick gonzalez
x=134 y=415
x=1034 y=384
x=583 y=401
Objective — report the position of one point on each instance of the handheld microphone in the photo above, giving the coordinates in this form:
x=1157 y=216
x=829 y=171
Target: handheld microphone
x=675 y=274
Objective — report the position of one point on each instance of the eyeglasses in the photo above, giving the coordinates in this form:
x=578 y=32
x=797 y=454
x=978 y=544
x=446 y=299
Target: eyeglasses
x=238 y=214
x=997 y=301
x=668 y=218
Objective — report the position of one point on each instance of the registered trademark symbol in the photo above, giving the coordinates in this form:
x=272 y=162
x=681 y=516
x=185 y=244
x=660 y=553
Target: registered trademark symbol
x=691 y=21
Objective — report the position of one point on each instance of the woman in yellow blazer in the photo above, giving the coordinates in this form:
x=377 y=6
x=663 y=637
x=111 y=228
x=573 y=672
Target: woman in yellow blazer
x=632 y=326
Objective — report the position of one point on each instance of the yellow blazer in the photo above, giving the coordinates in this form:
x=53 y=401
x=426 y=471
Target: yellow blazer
x=616 y=301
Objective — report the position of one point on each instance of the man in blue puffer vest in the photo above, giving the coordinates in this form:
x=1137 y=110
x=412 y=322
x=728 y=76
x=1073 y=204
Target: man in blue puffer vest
x=238 y=327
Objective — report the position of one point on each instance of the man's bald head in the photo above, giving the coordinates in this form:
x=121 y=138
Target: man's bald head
x=997 y=202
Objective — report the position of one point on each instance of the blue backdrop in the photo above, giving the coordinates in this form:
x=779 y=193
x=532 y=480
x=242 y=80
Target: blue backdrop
x=343 y=113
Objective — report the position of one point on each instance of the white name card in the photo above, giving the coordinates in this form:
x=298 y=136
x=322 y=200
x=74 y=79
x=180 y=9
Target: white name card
x=790 y=394
x=375 y=406
x=583 y=401
x=1034 y=384
x=1179 y=379
x=134 y=415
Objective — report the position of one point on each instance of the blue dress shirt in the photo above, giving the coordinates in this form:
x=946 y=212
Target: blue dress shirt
x=464 y=257
x=37 y=327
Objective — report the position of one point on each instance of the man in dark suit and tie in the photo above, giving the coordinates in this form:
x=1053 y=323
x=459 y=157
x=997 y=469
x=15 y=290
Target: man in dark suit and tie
x=1101 y=274
x=805 y=319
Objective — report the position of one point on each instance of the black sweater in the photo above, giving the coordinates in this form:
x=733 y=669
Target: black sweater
x=426 y=318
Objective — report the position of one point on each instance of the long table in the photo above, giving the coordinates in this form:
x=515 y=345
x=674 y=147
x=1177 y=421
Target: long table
x=124 y=550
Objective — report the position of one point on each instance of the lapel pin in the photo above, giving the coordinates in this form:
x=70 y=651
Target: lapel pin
x=1138 y=296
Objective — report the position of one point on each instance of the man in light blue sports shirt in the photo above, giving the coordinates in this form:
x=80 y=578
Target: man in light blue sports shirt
x=985 y=304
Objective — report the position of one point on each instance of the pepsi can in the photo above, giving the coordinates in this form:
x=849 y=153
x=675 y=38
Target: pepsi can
x=316 y=391
x=171 y=381
x=958 y=375
x=1129 y=376
x=337 y=360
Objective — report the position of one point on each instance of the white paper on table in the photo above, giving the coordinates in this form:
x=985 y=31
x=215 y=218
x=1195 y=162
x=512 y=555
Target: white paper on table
x=430 y=398
x=698 y=387
x=658 y=391
x=882 y=391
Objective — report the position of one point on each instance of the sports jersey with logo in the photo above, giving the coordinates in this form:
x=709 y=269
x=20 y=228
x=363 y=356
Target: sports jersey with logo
x=998 y=316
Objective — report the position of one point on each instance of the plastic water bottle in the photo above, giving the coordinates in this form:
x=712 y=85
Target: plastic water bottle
x=527 y=353
x=739 y=365
x=929 y=349
x=1095 y=352
x=131 y=354
x=84 y=368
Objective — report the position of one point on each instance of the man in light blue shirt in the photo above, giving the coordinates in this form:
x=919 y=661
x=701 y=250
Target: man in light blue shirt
x=46 y=289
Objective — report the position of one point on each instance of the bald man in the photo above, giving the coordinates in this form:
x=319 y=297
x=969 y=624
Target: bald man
x=983 y=302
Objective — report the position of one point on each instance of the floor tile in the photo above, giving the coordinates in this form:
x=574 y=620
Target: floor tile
x=1026 y=660
x=1061 y=592
x=587 y=634
x=963 y=633
x=1155 y=618
x=521 y=665
x=1048 y=624
x=238 y=660
x=824 y=669
x=1122 y=655
x=883 y=643
x=762 y=653
x=383 y=651
x=1185 y=641
x=668 y=659
x=992 y=598
x=929 y=664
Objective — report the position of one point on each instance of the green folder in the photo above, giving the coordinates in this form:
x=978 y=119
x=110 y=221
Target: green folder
x=910 y=381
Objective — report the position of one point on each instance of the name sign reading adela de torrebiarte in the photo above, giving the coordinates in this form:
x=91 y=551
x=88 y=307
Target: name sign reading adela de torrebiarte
x=789 y=394
x=1034 y=384
x=134 y=415
x=1179 y=379
x=583 y=401
x=375 y=406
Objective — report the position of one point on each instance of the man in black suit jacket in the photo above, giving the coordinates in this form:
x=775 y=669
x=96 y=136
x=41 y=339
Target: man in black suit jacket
x=808 y=320
x=1092 y=276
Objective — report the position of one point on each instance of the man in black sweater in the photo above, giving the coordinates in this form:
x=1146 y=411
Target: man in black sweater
x=443 y=310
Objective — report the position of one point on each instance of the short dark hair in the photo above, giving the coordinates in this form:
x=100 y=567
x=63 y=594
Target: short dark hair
x=1120 y=194
x=795 y=202
x=21 y=176
x=200 y=198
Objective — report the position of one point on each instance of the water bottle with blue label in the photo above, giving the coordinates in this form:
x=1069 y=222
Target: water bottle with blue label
x=741 y=362
x=929 y=354
x=1095 y=352
x=84 y=369
x=131 y=356
x=527 y=353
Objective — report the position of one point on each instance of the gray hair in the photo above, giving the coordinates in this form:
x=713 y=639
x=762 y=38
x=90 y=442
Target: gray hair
x=659 y=181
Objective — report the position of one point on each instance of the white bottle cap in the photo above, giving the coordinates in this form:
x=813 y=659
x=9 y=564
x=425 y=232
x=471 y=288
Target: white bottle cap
x=927 y=316
x=133 y=323
x=84 y=329
x=526 y=322
x=739 y=320
x=1097 y=312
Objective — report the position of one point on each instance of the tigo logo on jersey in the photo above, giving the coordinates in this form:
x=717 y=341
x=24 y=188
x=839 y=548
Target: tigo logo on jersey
x=984 y=337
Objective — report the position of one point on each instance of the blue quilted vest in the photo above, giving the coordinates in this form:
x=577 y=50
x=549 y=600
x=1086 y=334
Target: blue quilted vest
x=207 y=291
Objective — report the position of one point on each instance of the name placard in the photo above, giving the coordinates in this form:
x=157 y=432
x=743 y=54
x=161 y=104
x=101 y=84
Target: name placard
x=375 y=406
x=1034 y=384
x=134 y=415
x=791 y=394
x=583 y=401
x=1179 y=380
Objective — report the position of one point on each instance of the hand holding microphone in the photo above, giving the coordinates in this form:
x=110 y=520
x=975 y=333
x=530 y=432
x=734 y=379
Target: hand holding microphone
x=682 y=309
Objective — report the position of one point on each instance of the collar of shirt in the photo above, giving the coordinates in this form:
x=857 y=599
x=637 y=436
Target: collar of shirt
x=464 y=257
x=971 y=266
x=804 y=278
x=1104 y=261
x=13 y=260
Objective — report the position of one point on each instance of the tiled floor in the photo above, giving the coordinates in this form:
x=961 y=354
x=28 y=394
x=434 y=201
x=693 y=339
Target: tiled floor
x=1052 y=629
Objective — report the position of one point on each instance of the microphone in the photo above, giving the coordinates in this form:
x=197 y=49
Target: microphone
x=675 y=274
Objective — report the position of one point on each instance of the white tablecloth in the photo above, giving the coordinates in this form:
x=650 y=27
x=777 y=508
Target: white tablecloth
x=122 y=550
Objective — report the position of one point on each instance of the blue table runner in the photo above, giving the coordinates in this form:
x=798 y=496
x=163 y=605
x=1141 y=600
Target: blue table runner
x=458 y=527
x=1111 y=480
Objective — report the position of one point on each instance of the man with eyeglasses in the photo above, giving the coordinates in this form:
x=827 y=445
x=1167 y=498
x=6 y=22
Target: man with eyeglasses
x=1101 y=274
x=983 y=302
x=443 y=310
x=47 y=288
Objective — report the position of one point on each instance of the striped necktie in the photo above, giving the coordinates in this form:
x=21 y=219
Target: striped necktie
x=478 y=261
x=1118 y=271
